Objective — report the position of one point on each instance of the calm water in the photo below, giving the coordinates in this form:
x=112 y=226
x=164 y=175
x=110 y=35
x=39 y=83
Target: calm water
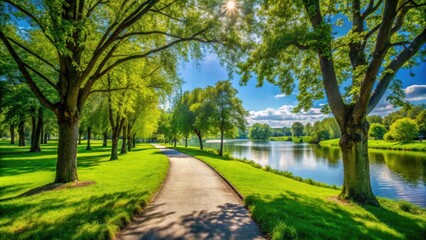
x=394 y=174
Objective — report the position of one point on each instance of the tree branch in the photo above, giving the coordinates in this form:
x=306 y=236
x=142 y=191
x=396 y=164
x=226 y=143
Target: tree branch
x=371 y=8
x=32 y=53
x=167 y=15
x=21 y=65
x=393 y=67
x=110 y=90
x=42 y=76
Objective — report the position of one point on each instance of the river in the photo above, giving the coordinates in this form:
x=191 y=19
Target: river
x=394 y=174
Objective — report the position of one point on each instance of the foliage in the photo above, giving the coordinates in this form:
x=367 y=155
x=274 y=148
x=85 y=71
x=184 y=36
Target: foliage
x=383 y=144
x=308 y=130
x=375 y=119
x=277 y=204
x=377 y=131
x=97 y=211
x=404 y=130
x=421 y=122
x=297 y=129
x=260 y=132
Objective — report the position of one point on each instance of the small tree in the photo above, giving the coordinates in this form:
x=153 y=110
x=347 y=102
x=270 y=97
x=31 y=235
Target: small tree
x=309 y=129
x=260 y=132
x=377 y=131
x=297 y=129
x=403 y=130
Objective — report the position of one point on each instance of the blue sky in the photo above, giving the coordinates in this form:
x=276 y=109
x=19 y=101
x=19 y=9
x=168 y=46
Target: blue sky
x=265 y=105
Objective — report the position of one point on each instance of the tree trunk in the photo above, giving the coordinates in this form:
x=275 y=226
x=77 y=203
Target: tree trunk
x=46 y=136
x=89 y=136
x=21 y=133
x=124 y=143
x=12 y=133
x=42 y=133
x=221 y=143
x=186 y=141
x=200 y=139
x=129 y=139
x=80 y=134
x=134 y=140
x=114 y=147
x=66 y=164
x=174 y=142
x=105 y=142
x=354 y=146
x=36 y=131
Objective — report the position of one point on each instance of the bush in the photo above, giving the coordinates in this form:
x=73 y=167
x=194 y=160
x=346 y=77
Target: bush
x=404 y=129
x=377 y=131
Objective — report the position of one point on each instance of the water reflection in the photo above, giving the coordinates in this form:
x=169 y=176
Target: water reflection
x=394 y=174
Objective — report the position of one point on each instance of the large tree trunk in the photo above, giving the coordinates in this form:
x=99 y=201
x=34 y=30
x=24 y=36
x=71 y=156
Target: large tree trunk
x=42 y=133
x=124 y=143
x=36 y=131
x=66 y=164
x=12 y=133
x=46 y=136
x=354 y=146
x=21 y=133
x=104 y=144
x=221 y=143
x=89 y=136
x=200 y=139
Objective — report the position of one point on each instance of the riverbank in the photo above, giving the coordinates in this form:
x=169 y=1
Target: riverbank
x=383 y=144
x=118 y=190
x=288 y=209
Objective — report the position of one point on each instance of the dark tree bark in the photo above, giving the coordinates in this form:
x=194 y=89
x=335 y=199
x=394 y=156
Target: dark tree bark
x=221 y=143
x=200 y=139
x=89 y=136
x=105 y=142
x=80 y=135
x=186 y=141
x=124 y=142
x=12 y=133
x=42 y=133
x=114 y=146
x=354 y=146
x=129 y=139
x=66 y=164
x=174 y=142
x=37 y=125
x=21 y=133
x=46 y=137
x=134 y=140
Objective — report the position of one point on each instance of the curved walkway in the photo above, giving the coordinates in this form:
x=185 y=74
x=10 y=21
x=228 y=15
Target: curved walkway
x=194 y=203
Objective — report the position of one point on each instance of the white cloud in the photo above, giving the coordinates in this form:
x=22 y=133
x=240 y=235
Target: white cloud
x=284 y=117
x=415 y=93
x=280 y=95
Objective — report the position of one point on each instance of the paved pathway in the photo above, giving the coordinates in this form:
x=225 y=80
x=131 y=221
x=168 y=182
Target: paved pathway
x=194 y=203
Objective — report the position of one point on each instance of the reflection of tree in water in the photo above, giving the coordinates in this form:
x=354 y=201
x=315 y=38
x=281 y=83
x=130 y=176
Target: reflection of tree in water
x=331 y=154
x=409 y=165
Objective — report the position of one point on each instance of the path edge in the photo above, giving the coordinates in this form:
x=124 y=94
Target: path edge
x=154 y=196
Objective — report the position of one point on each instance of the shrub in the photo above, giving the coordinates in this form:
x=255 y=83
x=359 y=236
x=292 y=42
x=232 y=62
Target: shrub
x=377 y=131
x=404 y=129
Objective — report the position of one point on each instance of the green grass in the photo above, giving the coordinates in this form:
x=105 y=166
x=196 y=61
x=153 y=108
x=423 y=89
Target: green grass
x=289 y=209
x=383 y=144
x=289 y=138
x=98 y=211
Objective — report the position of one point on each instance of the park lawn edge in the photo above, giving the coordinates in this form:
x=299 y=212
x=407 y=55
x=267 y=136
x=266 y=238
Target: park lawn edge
x=279 y=228
x=123 y=198
x=382 y=144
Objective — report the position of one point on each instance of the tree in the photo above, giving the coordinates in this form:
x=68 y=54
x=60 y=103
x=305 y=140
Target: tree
x=377 y=131
x=297 y=129
x=260 y=132
x=421 y=122
x=404 y=130
x=202 y=108
x=91 y=38
x=184 y=117
x=228 y=113
x=308 y=129
x=374 y=119
x=295 y=41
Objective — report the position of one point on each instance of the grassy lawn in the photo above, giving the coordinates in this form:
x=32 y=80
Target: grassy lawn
x=97 y=211
x=289 y=209
x=383 y=144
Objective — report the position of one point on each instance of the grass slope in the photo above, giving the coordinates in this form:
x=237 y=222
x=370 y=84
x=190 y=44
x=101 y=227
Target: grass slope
x=383 y=144
x=97 y=211
x=288 y=209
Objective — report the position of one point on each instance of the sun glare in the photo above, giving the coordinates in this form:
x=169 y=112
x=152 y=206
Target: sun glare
x=230 y=6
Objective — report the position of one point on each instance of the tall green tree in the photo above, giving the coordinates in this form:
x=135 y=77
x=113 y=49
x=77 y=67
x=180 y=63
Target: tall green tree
x=228 y=113
x=296 y=41
x=297 y=129
x=91 y=38
x=260 y=132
